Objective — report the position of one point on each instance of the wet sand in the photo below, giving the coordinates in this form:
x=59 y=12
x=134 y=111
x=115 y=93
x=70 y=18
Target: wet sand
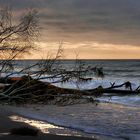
x=106 y=121
x=6 y=124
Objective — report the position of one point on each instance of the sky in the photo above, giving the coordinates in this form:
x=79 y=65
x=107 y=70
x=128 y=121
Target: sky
x=89 y=29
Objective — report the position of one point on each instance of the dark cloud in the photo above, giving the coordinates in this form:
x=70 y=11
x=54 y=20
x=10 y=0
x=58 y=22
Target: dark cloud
x=109 y=21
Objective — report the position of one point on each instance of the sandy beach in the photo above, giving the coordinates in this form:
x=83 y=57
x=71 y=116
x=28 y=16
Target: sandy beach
x=118 y=122
x=6 y=124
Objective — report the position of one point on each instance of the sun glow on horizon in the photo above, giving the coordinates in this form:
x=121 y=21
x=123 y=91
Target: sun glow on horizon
x=86 y=50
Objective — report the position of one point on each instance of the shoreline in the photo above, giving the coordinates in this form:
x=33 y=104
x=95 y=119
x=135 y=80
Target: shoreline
x=50 y=114
x=7 y=123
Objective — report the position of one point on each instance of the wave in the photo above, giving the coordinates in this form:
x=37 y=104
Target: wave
x=96 y=82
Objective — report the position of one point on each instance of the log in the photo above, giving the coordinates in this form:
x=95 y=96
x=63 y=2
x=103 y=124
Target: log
x=27 y=89
x=114 y=91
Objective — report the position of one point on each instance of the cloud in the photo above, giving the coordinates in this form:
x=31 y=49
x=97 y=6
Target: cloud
x=104 y=21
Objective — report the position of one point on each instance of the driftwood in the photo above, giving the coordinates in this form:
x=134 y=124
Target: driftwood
x=28 y=90
x=113 y=89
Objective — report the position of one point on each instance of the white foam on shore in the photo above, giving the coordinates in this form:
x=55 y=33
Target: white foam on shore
x=74 y=84
x=133 y=100
x=94 y=83
x=130 y=100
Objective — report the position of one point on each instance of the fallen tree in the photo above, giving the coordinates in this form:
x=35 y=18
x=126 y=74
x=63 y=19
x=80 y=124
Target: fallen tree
x=28 y=90
x=17 y=39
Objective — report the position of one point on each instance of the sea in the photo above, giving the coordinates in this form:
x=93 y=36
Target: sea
x=123 y=69
x=115 y=71
x=116 y=116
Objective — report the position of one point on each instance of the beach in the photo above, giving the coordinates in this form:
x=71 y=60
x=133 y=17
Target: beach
x=106 y=121
x=113 y=118
x=6 y=124
x=69 y=70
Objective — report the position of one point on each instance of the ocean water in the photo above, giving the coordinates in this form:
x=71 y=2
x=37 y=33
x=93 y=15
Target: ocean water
x=113 y=69
x=118 y=118
x=118 y=71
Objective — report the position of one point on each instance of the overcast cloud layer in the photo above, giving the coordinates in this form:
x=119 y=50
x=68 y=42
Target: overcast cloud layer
x=104 y=21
